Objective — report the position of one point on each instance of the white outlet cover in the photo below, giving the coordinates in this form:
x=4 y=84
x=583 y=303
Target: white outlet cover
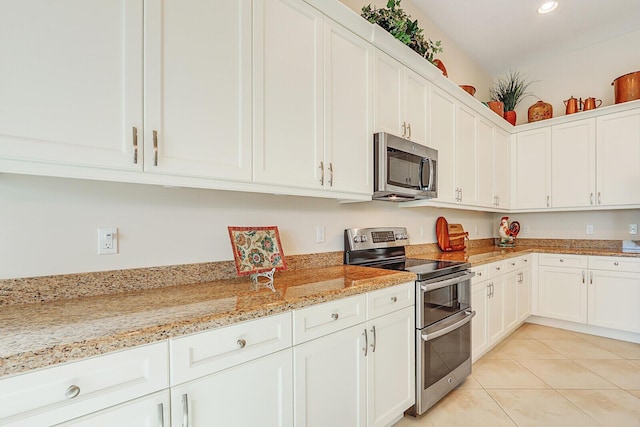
x=107 y=240
x=589 y=229
x=633 y=228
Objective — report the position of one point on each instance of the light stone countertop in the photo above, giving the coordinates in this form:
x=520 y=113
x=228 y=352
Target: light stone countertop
x=40 y=334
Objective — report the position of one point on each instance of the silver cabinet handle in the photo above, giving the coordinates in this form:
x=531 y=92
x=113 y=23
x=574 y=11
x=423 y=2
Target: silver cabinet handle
x=498 y=268
x=548 y=201
x=72 y=391
x=513 y=264
x=460 y=193
x=409 y=130
x=242 y=343
x=394 y=299
x=366 y=343
x=335 y=316
x=493 y=289
x=561 y=260
x=599 y=201
x=160 y=415
x=583 y=274
x=135 y=145
x=185 y=410
x=155 y=148
x=591 y=277
x=489 y=290
x=616 y=263
x=330 y=174
x=479 y=273
x=404 y=129
x=321 y=173
x=591 y=198
x=373 y=346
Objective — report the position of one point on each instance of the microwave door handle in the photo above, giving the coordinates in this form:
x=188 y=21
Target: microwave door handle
x=431 y=173
x=420 y=172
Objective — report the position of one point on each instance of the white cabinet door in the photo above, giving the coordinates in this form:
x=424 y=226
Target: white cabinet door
x=495 y=309
x=618 y=154
x=288 y=94
x=562 y=293
x=501 y=168
x=533 y=169
x=416 y=99
x=391 y=366
x=330 y=384
x=479 y=337
x=152 y=410
x=256 y=393
x=486 y=165
x=388 y=94
x=71 y=82
x=573 y=164
x=466 y=155
x=348 y=111
x=511 y=283
x=198 y=88
x=524 y=294
x=614 y=300
x=443 y=131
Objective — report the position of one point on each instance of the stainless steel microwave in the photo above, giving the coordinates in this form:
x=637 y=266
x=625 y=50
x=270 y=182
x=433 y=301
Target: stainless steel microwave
x=403 y=170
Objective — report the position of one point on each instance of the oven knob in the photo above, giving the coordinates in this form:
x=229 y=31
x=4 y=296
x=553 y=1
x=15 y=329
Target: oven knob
x=363 y=238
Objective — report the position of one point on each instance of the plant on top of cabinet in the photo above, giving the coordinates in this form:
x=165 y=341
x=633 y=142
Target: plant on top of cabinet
x=510 y=90
x=397 y=22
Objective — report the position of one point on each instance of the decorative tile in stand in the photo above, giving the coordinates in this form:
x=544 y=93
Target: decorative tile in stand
x=257 y=252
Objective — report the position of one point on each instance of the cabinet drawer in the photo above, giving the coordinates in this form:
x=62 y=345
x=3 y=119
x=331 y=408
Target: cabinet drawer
x=497 y=269
x=517 y=263
x=557 y=260
x=610 y=263
x=322 y=319
x=204 y=353
x=482 y=274
x=40 y=397
x=390 y=299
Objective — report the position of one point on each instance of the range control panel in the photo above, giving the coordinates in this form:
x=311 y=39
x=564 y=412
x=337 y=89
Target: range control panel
x=372 y=238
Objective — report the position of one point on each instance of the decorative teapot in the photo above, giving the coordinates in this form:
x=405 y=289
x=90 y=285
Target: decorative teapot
x=573 y=105
x=591 y=103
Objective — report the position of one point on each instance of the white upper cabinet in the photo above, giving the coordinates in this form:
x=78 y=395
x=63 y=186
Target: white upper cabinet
x=443 y=138
x=486 y=164
x=501 y=168
x=618 y=158
x=348 y=104
x=466 y=155
x=573 y=164
x=198 y=88
x=288 y=93
x=71 y=82
x=532 y=174
x=401 y=99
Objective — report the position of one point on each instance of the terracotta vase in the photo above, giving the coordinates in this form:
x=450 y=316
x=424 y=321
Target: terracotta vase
x=510 y=116
x=497 y=107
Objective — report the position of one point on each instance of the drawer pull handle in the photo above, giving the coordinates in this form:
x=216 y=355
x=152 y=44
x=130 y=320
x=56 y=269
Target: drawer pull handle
x=160 y=415
x=513 y=264
x=155 y=148
x=366 y=343
x=394 y=299
x=373 y=346
x=498 y=268
x=561 y=260
x=335 y=316
x=242 y=343
x=616 y=263
x=479 y=273
x=72 y=391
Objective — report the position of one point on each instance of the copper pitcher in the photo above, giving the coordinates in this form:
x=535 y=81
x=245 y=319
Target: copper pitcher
x=573 y=105
x=591 y=103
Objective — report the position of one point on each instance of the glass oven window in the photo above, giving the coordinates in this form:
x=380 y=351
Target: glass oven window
x=443 y=302
x=444 y=354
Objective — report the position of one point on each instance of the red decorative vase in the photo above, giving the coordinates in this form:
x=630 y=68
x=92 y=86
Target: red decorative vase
x=510 y=116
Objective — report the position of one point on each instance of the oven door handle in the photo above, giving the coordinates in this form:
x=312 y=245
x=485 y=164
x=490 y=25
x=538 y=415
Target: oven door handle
x=444 y=283
x=449 y=328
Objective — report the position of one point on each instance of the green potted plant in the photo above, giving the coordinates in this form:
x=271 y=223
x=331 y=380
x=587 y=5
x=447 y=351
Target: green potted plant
x=396 y=21
x=510 y=90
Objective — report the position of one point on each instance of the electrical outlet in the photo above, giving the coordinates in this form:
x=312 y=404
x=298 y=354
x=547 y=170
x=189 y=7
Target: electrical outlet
x=525 y=229
x=320 y=234
x=107 y=240
x=589 y=229
x=633 y=228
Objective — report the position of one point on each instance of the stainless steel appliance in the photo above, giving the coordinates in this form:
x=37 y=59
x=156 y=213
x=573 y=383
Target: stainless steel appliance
x=403 y=170
x=443 y=311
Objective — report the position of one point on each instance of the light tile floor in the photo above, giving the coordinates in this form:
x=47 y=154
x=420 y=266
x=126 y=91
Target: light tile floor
x=541 y=376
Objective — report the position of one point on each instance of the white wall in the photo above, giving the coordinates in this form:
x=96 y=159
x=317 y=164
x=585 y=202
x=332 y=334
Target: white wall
x=583 y=73
x=607 y=225
x=461 y=69
x=49 y=225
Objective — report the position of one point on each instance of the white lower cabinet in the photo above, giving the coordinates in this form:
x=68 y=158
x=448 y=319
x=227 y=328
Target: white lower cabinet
x=152 y=410
x=594 y=290
x=256 y=393
x=496 y=309
x=363 y=375
x=479 y=335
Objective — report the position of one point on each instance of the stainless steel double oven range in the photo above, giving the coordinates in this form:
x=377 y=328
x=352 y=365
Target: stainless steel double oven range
x=443 y=311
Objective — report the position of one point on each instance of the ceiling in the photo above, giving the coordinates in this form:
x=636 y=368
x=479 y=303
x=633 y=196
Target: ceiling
x=503 y=34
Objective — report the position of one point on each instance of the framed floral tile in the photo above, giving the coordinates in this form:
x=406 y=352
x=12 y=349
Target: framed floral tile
x=256 y=249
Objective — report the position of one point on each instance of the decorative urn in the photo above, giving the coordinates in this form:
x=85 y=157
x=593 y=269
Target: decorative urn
x=540 y=111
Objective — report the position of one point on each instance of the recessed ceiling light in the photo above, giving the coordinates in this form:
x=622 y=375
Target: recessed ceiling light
x=547 y=7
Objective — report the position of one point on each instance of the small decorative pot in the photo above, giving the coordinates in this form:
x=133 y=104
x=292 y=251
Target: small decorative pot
x=497 y=107
x=540 y=111
x=511 y=117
